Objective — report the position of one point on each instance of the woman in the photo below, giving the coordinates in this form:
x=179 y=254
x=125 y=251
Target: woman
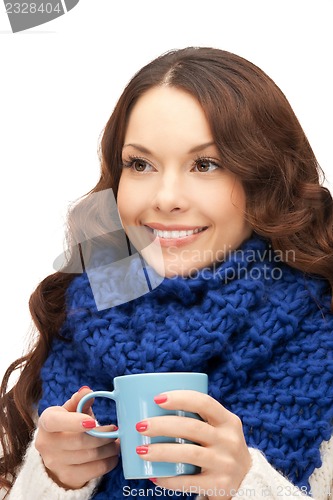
x=219 y=190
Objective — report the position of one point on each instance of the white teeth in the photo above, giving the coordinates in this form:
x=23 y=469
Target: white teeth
x=176 y=234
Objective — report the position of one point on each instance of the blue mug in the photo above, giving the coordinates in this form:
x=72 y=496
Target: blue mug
x=134 y=398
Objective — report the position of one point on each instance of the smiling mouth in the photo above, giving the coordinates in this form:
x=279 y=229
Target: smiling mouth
x=174 y=234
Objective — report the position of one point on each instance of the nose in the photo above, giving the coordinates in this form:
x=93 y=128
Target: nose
x=170 y=194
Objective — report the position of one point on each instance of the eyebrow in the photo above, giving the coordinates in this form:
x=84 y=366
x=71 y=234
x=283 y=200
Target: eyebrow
x=146 y=151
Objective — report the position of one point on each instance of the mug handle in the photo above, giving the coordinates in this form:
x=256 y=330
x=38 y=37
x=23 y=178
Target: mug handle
x=98 y=394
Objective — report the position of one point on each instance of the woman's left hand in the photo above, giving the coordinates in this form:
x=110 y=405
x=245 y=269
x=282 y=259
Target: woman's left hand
x=223 y=456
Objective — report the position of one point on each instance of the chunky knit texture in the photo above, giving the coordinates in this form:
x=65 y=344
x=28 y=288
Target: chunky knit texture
x=260 y=329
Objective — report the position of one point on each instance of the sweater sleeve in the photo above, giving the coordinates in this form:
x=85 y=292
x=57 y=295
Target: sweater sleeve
x=62 y=375
x=263 y=481
x=33 y=482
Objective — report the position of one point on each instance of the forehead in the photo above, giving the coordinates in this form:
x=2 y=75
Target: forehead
x=168 y=112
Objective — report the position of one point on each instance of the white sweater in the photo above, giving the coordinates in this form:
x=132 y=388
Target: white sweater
x=262 y=481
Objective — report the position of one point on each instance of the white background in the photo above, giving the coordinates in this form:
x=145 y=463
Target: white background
x=59 y=83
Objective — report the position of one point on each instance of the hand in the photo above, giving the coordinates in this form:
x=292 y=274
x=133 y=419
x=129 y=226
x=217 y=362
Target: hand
x=223 y=456
x=72 y=457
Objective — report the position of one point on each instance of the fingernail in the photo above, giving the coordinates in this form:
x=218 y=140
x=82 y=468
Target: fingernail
x=88 y=424
x=141 y=426
x=162 y=398
x=115 y=428
x=83 y=387
x=142 y=450
x=153 y=479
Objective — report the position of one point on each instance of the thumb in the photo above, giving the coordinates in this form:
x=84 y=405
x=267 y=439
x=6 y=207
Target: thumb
x=72 y=403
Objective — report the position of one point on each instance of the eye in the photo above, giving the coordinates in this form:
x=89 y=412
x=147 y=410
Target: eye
x=138 y=165
x=205 y=165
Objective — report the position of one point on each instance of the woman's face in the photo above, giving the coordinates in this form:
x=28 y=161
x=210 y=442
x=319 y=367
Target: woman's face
x=175 y=198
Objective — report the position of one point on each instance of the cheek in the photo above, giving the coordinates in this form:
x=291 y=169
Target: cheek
x=238 y=201
x=226 y=201
x=242 y=228
x=230 y=209
x=129 y=202
x=122 y=197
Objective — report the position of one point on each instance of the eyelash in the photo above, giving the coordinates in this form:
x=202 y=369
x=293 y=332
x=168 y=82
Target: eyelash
x=205 y=158
x=131 y=159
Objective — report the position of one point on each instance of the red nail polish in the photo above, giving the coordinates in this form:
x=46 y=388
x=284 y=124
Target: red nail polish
x=142 y=450
x=162 y=398
x=83 y=387
x=141 y=426
x=152 y=479
x=88 y=424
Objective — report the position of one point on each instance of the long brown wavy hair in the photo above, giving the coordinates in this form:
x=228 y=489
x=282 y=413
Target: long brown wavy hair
x=259 y=139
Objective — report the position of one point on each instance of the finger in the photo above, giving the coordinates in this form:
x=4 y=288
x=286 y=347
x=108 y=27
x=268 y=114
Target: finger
x=179 y=427
x=208 y=408
x=200 y=484
x=93 y=454
x=72 y=403
x=175 y=452
x=99 y=468
x=58 y=419
x=78 y=475
x=79 y=441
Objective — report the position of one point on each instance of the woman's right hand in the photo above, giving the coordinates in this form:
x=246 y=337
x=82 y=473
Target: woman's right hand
x=72 y=457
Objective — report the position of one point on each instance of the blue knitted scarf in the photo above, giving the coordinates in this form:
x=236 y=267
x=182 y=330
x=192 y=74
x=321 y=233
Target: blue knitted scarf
x=260 y=329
